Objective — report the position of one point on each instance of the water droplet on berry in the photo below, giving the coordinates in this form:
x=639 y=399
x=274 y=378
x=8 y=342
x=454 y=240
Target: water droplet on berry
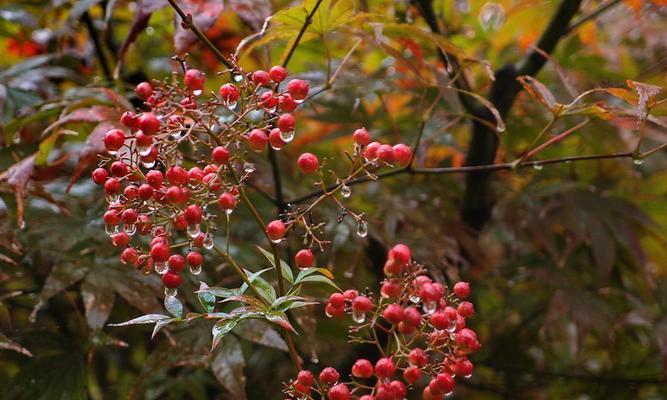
x=194 y=230
x=230 y=104
x=326 y=312
x=111 y=229
x=429 y=307
x=170 y=292
x=452 y=326
x=638 y=161
x=197 y=92
x=177 y=134
x=144 y=150
x=414 y=299
x=448 y=394
x=237 y=77
x=249 y=168
x=160 y=267
x=113 y=198
x=255 y=115
x=538 y=167
x=362 y=228
x=346 y=191
x=112 y=152
x=130 y=229
x=148 y=164
x=358 y=317
x=195 y=270
x=208 y=241
x=287 y=136
x=276 y=241
x=229 y=211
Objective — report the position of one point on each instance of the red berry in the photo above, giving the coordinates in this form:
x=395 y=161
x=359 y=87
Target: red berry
x=275 y=230
x=129 y=119
x=305 y=378
x=332 y=311
x=227 y=201
x=145 y=191
x=400 y=253
x=286 y=123
x=171 y=280
x=143 y=140
x=386 y=153
x=276 y=139
x=120 y=239
x=100 y=175
x=144 y=225
x=193 y=214
x=417 y=357
x=129 y=256
x=195 y=175
x=444 y=382
x=129 y=216
x=466 y=309
x=177 y=175
x=287 y=103
x=220 y=155
x=160 y=252
x=362 y=368
x=144 y=90
x=350 y=294
x=371 y=152
x=268 y=100
x=412 y=316
x=398 y=388
x=440 y=320
x=384 y=368
x=412 y=374
x=149 y=123
x=180 y=224
x=362 y=304
x=393 y=313
x=118 y=168
x=176 y=262
x=308 y=163
x=299 y=388
x=391 y=288
x=429 y=292
x=229 y=93
x=462 y=289
x=278 y=73
x=304 y=259
x=402 y=154
x=298 y=89
x=112 y=186
x=131 y=192
x=114 y=139
x=154 y=178
x=339 y=392
x=194 y=259
x=175 y=195
x=463 y=367
x=361 y=137
x=329 y=376
x=194 y=79
x=337 y=300
x=257 y=139
x=261 y=78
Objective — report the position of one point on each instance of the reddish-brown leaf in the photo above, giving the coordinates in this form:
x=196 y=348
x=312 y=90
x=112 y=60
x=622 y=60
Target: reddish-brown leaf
x=18 y=177
x=252 y=12
x=97 y=113
x=204 y=14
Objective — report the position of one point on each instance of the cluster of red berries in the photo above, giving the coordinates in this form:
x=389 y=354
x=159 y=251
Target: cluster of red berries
x=426 y=328
x=399 y=154
x=152 y=193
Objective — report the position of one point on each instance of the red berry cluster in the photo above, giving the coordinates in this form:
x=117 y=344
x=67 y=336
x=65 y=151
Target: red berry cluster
x=399 y=154
x=157 y=206
x=429 y=342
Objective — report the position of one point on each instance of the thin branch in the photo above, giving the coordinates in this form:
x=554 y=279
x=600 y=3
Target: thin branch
x=554 y=139
x=188 y=23
x=306 y=23
x=594 y=14
x=99 y=51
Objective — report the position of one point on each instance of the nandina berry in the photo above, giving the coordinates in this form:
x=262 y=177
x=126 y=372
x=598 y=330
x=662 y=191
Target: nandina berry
x=462 y=289
x=227 y=201
x=120 y=239
x=229 y=93
x=418 y=357
x=308 y=163
x=286 y=103
x=149 y=123
x=384 y=368
x=118 y=168
x=129 y=119
x=402 y=154
x=278 y=73
x=391 y=267
x=100 y=176
x=144 y=224
x=154 y=178
x=210 y=168
x=195 y=175
x=129 y=216
x=129 y=256
x=429 y=292
x=213 y=181
x=112 y=186
x=145 y=191
x=299 y=388
x=371 y=152
x=393 y=313
x=176 y=262
x=194 y=79
x=276 y=139
x=114 y=140
x=194 y=259
x=193 y=214
x=131 y=192
x=304 y=259
x=189 y=103
x=261 y=78
x=440 y=320
x=160 y=252
x=275 y=230
x=412 y=316
x=412 y=374
x=175 y=195
x=257 y=139
x=143 y=140
x=400 y=253
x=367 y=397
x=286 y=123
x=444 y=382
x=466 y=309
x=463 y=367
x=339 y=392
x=268 y=100
x=144 y=90
x=220 y=155
x=151 y=156
x=337 y=300
x=362 y=304
x=398 y=388
x=329 y=376
x=391 y=288
x=386 y=153
x=467 y=340
x=361 y=137
x=362 y=368
x=177 y=175
x=179 y=222
x=298 y=89
x=332 y=311
x=305 y=378
x=350 y=294
x=171 y=279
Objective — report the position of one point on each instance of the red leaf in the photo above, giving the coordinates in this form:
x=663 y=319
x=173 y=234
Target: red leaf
x=18 y=177
x=204 y=14
x=96 y=113
x=144 y=10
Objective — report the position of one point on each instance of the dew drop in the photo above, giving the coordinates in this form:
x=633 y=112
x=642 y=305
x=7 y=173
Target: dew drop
x=362 y=228
x=230 y=104
x=177 y=134
x=112 y=152
x=415 y=299
x=538 y=167
x=144 y=150
x=160 y=267
x=237 y=77
x=111 y=229
x=229 y=211
x=638 y=161
x=148 y=164
x=194 y=230
x=492 y=16
x=130 y=229
x=452 y=326
x=429 y=307
x=208 y=241
x=448 y=394
x=287 y=136
x=170 y=292
x=346 y=191
x=249 y=168
x=462 y=6
x=276 y=241
x=197 y=92
x=500 y=126
x=195 y=270
x=358 y=317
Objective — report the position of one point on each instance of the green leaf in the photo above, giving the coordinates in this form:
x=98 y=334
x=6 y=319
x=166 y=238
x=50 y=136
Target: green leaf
x=221 y=329
x=219 y=291
x=206 y=299
x=160 y=324
x=174 y=306
x=144 y=319
x=311 y=271
x=285 y=269
x=265 y=289
x=227 y=365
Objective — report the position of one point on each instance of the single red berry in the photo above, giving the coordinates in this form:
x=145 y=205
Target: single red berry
x=362 y=368
x=412 y=316
x=118 y=168
x=144 y=90
x=179 y=222
x=402 y=154
x=440 y=320
x=144 y=224
x=332 y=311
x=299 y=388
x=362 y=304
x=393 y=313
x=143 y=140
x=429 y=293
x=308 y=163
x=129 y=256
x=112 y=186
x=386 y=153
x=466 y=309
x=131 y=192
x=463 y=367
x=257 y=139
x=304 y=259
x=305 y=378
x=149 y=123
x=145 y=191
x=286 y=123
x=210 y=168
x=176 y=262
x=398 y=389
x=129 y=216
x=400 y=253
x=278 y=73
x=229 y=93
x=171 y=279
x=412 y=374
x=275 y=230
x=227 y=201
x=276 y=139
x=268 y=100
x=384 y=367
x=100 y=176
x=286 y=103
x=371 y=152
x=339 y=392
x=174 y=195
x=261 y=78
x=177 y=175
x=154 y=178
x=114 y=140
x=337 y=300
x=361 y=137
x=194 y=79
x=329 y=376
x=129 y=119
x=391 y=288
x=151 y=156
x=193 y=214
x=350 y=294
x=462 y=289
x=220 y=155
x=298 y=89
x=444 y=382
x=194 y=259
x=195 y=175
x=367 y=397
x=160 y=252
x=418 y=357
x=120 y=239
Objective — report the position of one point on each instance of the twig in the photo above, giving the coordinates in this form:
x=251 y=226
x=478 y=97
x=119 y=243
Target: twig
x=583 y=19
x=553 y=140
x=90 y=26
x=306 y=23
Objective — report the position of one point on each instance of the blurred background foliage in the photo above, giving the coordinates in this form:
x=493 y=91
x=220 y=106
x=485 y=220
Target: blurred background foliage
x=568 y=272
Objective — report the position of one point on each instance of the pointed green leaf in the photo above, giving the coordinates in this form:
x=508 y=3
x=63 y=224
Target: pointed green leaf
x=285 y=269
x=206 y=299
x=174 y=306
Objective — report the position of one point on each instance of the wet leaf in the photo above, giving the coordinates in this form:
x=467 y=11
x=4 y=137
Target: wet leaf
x=285 y=268
x=174 y=306
x=62 y=276
x=227 y=364
x=98 y=298
x=537 y=90
x=144 y=319
x=281 y=320
x=206 y=299
x=142 y=14
x=260 y=332
x=18 y=176
x=222 y=328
